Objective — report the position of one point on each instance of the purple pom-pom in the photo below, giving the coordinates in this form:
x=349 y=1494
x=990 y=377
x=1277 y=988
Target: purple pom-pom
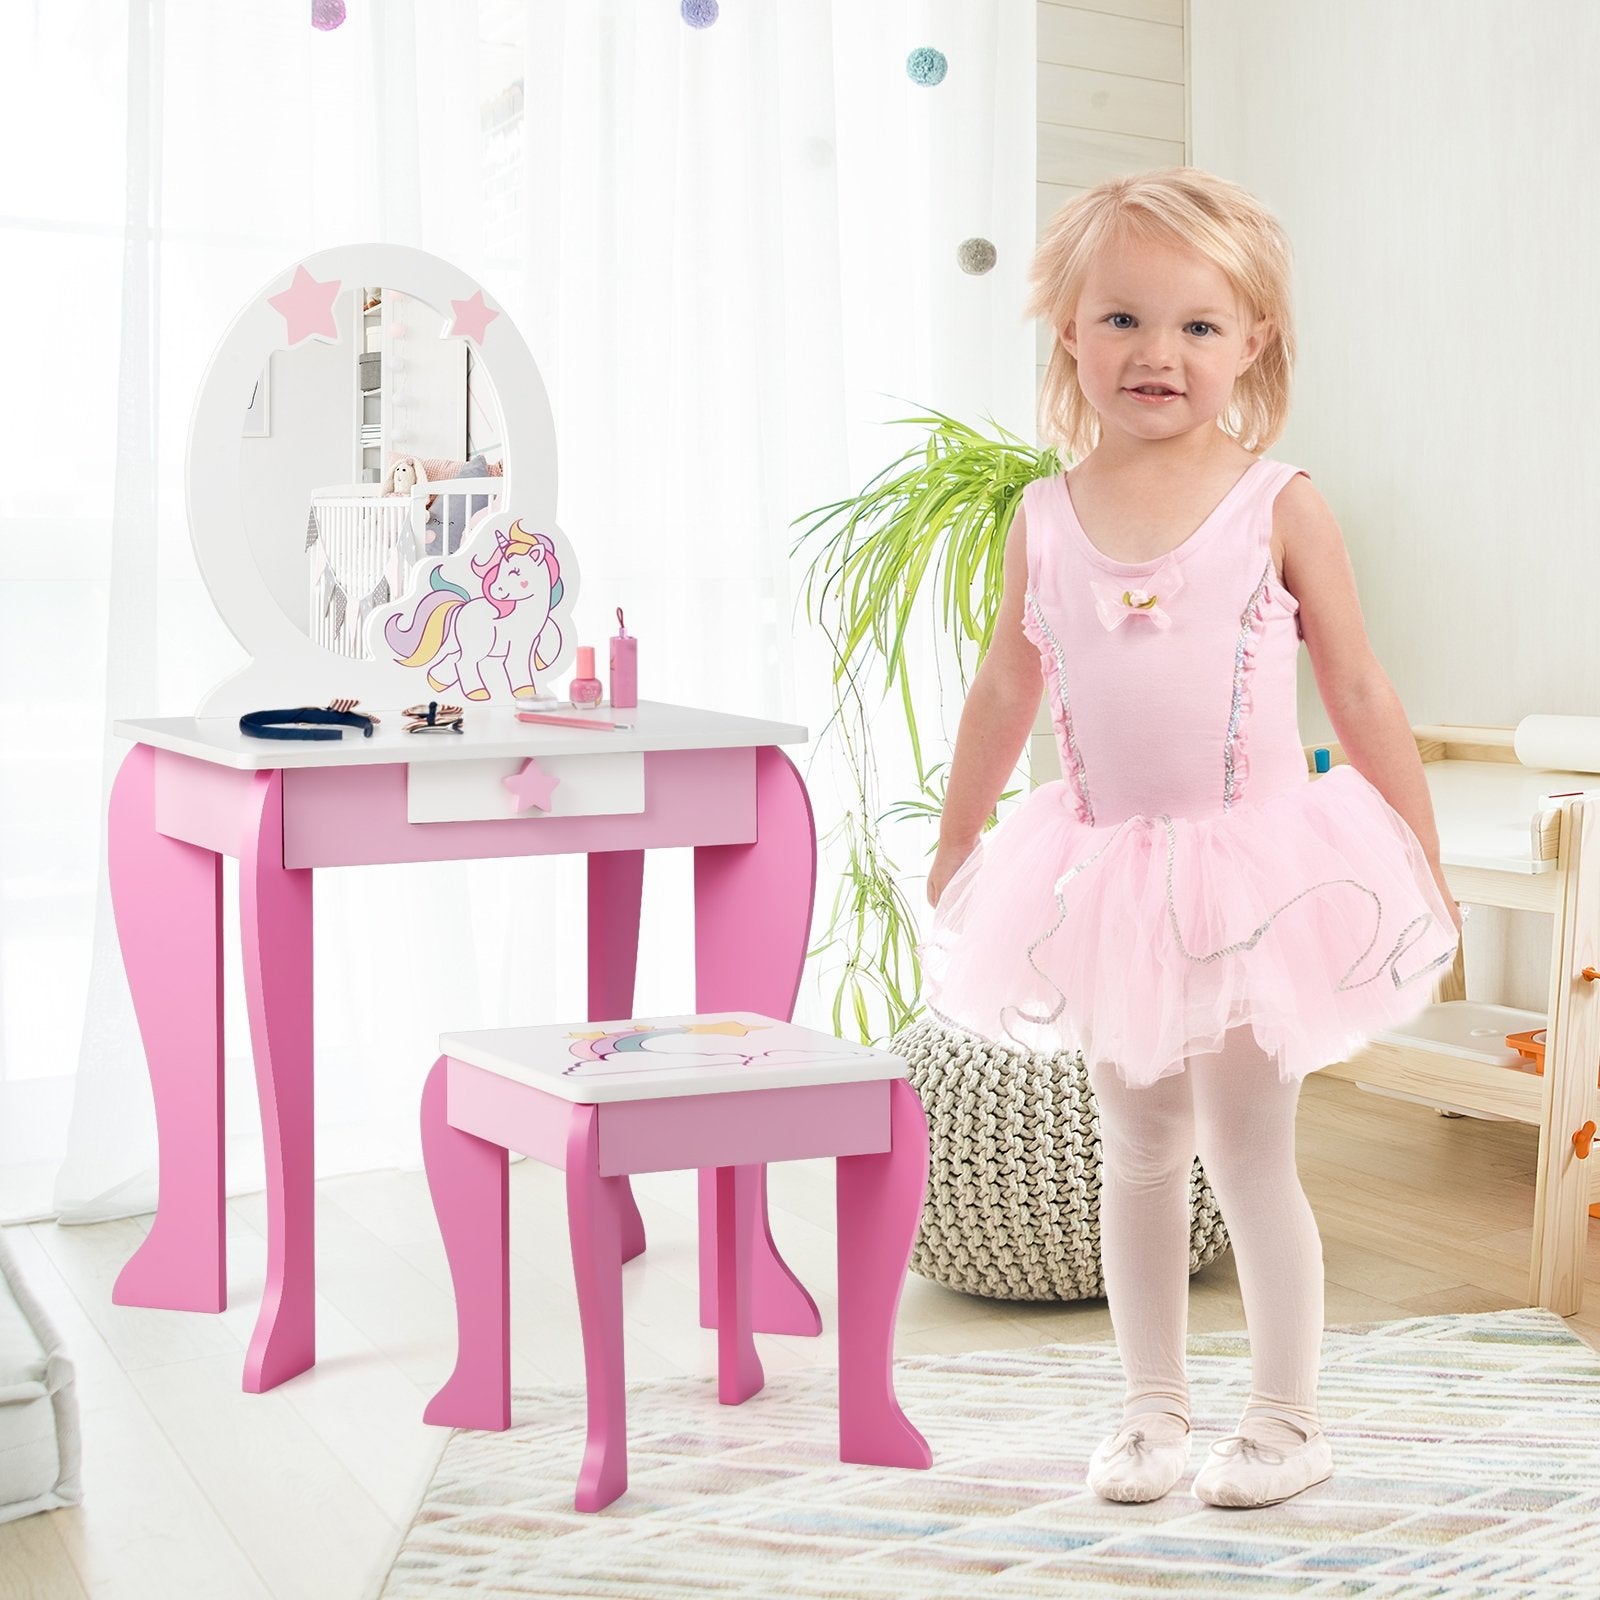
x=699 y=13
x=327 y=14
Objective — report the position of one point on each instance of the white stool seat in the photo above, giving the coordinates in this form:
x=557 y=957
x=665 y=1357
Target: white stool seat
x=635 y=1058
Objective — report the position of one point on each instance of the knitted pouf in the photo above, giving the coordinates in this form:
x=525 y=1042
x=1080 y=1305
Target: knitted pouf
x=1013 y=1205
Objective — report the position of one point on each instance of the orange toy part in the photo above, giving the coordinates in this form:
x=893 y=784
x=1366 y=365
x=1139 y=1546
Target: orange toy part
x=1581 y=1141
x=1530 y=1046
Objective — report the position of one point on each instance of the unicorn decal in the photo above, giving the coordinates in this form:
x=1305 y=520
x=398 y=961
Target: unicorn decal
x=674 y=1046
x=507 y=633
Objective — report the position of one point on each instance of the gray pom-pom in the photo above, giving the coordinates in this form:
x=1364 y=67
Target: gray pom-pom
x=976 y=256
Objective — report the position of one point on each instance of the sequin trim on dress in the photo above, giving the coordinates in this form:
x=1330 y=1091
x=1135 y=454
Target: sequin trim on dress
x=1080 y=781
x=1409 y=935
x=1247 y=624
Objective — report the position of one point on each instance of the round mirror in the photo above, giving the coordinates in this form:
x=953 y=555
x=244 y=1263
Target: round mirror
x=364 y=412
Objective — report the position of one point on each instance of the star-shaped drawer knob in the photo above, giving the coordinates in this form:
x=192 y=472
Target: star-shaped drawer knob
x=532 y=787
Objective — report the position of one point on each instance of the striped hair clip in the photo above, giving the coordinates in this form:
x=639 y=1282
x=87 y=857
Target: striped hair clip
x=434 y=718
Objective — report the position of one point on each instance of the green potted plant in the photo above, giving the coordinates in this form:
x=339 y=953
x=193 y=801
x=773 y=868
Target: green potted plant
x=930 y=529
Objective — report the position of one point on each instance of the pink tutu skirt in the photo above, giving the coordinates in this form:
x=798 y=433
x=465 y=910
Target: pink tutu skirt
x=1312 y=916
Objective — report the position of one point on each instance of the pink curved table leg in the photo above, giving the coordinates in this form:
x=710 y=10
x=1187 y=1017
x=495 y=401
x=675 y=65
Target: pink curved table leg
x=753 y=907
x=167 y=896
x=594 y=1220
x=616 y=882
x=471 y=1199
x=879 y=1204
x=275 y=941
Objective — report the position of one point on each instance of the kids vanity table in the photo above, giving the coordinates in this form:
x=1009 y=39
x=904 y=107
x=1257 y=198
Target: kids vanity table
x=282 y=432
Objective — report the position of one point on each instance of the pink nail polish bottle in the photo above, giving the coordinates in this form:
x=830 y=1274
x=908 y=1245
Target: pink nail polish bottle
x=585 y=687
x=624 y=666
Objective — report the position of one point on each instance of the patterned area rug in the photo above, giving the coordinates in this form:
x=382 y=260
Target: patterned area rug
x=1466 y=1465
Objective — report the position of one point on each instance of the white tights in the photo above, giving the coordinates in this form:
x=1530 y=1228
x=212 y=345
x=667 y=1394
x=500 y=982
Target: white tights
x=1231 y=1110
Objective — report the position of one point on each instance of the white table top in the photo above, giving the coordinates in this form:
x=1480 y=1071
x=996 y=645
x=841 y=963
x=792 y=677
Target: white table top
x=655 y=1058
x=1487 y=810
x=489 y=733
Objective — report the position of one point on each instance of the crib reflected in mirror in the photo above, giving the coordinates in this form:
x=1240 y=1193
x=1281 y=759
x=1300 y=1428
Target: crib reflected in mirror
x=361 y=457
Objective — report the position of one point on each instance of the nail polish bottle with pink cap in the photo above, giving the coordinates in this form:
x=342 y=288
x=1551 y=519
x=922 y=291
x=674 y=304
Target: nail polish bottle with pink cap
x=585 y=687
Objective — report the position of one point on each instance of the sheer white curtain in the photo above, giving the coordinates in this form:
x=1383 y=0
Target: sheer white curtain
x=726 y=247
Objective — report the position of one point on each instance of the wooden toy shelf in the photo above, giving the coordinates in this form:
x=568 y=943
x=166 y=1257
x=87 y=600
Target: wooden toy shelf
x=1504 y=843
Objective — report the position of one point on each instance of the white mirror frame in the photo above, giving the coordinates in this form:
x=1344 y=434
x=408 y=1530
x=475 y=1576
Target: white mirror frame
x=286 y=667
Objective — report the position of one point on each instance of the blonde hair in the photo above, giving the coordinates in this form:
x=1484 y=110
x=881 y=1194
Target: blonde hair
x=1193 y=210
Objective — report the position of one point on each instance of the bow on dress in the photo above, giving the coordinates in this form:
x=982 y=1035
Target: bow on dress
x=1116 y=605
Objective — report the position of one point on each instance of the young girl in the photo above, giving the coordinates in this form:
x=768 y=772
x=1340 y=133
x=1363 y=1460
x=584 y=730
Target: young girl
x=1188 y=906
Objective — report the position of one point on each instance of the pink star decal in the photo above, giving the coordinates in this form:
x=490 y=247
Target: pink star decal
x=472 y=318
x=307 y=307
x=532 y=787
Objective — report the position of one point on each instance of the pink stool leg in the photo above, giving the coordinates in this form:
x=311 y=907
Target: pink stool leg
x=739 y=1373
x=880 y=1202
x=752 y=922
x=594 y=1220
x=471 y=1198
x=786 y=1306
x=616 y=882
x=275 y=940
x=167 y=896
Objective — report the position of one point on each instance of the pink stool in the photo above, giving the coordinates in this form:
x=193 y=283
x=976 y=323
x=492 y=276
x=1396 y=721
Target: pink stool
x=729 y=1091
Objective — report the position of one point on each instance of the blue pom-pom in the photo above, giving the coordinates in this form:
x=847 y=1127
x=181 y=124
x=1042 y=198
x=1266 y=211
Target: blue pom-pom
x=699 y=13
x=924 y=65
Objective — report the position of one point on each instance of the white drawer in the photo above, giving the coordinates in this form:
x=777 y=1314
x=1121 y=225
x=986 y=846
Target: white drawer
x=475 y=791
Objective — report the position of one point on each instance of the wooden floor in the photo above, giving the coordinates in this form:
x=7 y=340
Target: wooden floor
x=193 y=1488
